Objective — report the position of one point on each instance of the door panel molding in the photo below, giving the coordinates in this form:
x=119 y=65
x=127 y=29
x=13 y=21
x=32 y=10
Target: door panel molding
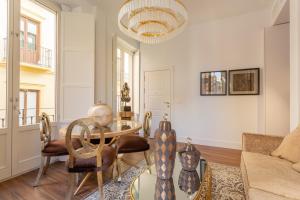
x=143 y=89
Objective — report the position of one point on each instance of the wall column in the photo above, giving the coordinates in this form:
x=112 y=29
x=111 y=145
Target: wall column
x=294 y=63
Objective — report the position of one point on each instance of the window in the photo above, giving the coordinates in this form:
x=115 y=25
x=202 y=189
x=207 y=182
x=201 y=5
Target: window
x=29 y=107
x=124 y=74
x=127 y=71
x=29 y=40
x=37 y=79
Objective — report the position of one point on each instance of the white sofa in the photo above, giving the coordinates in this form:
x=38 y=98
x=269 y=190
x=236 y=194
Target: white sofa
x=266 y=177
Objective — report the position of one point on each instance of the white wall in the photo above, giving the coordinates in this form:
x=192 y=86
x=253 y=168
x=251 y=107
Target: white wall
x=236 y=42
x=100 y=69
x=277 y=79
x=107 y=29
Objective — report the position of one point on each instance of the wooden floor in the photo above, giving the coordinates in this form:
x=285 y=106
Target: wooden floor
x=54 y=184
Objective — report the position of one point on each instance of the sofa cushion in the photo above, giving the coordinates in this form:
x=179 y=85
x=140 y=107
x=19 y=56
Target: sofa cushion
x=296 y=167
x=272 y=175
x=289 y=149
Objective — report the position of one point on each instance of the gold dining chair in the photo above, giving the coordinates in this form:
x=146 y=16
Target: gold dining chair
x=90 y=158
x=134 y=143
x=50 y=148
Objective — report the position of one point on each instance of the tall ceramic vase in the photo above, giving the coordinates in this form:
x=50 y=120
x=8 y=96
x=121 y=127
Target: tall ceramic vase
x=164 y=189
x=165 y=149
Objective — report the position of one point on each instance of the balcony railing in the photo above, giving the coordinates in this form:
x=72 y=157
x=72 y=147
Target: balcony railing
x=29 y=119
x=41 y=56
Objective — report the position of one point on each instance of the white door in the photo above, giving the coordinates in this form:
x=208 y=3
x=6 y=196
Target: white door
x=34 y=79
x=5 y=91
x=157 y=95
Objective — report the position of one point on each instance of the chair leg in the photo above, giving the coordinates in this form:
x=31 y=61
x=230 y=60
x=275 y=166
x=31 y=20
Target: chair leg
x=72 y=179
x=100 y=185
x=76 y=179
x=118 y=169
x=40 y=173
x=115 y=170
x=83 y=182
x=47 y=165
x=146 y=154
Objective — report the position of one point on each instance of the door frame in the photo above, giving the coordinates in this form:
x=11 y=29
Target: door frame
x=6 y=173
x=142 y=88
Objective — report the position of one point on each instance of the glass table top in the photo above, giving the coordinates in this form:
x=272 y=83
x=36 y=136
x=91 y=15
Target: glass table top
x=183 y=185
x=116 y=128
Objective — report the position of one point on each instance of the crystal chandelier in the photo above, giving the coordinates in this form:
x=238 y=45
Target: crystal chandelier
x=152 y=21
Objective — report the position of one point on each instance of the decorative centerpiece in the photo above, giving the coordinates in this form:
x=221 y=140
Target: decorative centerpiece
x=101 y=113
x=189 y=181
x=125 y=98
x=165 y=149
x=189 y=156
x=164 y=189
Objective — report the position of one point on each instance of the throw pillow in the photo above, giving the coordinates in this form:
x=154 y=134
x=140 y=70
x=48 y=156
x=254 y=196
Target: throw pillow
x=297 y=167
x=289 y=149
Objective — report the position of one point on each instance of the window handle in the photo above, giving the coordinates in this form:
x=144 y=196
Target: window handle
x=16 y=107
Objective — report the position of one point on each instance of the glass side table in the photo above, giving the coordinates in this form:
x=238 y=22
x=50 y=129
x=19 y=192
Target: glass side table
x=184 y=185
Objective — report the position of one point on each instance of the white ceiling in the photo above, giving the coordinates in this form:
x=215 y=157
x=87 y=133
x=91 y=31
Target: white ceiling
x=208 y=10
x=198 y=10
x=76 y=3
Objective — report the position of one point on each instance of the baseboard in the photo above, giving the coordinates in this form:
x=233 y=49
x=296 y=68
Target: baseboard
x=213 y=143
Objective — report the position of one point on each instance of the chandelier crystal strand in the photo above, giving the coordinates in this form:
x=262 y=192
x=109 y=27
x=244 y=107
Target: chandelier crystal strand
x=152 y=21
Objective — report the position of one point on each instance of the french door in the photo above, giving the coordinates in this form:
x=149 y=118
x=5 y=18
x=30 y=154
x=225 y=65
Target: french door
x=28 y=40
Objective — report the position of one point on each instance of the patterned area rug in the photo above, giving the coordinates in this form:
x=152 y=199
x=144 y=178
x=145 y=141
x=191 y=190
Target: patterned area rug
x=226 y=184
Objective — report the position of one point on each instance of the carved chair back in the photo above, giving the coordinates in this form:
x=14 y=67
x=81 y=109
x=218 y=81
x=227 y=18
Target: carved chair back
x=147 y=124
x=45 y=129
x=88 y=149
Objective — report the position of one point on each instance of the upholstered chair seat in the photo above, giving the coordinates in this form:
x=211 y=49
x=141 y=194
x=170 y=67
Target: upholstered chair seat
x=90 y=164
x=50 y=148
x=132 y=144
x=58 y=147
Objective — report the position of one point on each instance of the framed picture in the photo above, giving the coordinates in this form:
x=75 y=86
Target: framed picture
x=244 y=82
x=213 y=83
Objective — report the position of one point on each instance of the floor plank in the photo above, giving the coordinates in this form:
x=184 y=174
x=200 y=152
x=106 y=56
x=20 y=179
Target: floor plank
x=53 y=185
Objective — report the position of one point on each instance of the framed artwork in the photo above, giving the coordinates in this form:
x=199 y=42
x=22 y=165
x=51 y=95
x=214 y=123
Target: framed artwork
x=213 y=83
x=244 y=82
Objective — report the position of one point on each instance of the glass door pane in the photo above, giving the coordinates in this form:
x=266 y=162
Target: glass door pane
x=3 y=63
x=37 y=62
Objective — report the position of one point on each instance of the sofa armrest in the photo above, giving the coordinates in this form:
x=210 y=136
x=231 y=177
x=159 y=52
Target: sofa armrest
x=258 y=143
